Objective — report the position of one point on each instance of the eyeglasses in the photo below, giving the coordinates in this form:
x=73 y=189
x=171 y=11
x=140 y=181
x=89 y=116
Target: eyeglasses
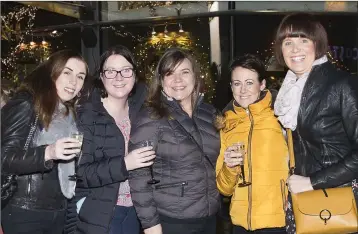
x=125 y=73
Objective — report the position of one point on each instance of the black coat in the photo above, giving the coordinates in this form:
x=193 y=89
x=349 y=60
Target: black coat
x=187 y=187
x=326 y=138
x=38 y=183
x=101 y=167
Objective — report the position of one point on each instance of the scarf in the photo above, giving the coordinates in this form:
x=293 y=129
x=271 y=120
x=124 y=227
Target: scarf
x=60 y=126
x=289 y=97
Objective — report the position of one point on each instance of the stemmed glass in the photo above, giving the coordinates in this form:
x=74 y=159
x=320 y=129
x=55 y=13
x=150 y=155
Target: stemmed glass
x=152 y=180
x=240 y=148
x=78 y=136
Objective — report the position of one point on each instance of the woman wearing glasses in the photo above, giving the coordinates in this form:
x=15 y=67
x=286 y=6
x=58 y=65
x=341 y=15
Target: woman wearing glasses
x=103 y=201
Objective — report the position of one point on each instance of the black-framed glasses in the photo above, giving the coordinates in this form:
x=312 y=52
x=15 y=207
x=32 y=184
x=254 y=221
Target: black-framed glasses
x=125 y=73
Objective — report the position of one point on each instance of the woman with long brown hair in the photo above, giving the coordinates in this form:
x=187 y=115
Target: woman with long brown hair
x=178 y=194
x=36 y=147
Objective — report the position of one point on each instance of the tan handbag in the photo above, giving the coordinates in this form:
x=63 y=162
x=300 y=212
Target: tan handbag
x=326 y=211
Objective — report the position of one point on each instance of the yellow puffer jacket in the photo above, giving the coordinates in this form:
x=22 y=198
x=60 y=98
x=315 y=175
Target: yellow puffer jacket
x=266 y=164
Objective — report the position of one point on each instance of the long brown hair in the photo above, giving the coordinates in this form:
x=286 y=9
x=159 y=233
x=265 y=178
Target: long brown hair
x=166 y=66
x=41 y=83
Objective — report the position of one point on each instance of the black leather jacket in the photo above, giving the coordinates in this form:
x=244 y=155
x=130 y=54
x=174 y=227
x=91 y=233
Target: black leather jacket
x=326 y=138
x=38 y=183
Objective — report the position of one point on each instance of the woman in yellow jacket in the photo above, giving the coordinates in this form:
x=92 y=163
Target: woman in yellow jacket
x=249 y=118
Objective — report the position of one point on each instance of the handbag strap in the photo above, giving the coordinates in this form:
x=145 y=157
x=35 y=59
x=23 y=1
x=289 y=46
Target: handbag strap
x=31 y=133
x=290 y=151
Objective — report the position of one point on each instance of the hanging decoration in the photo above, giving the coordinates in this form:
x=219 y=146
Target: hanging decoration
x=122 y=33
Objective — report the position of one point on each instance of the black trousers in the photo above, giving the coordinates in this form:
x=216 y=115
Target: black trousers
x=241 y=230
x=205 y=225
x=16 y=220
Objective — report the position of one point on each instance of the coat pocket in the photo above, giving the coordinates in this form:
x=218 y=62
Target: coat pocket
x=173 y=185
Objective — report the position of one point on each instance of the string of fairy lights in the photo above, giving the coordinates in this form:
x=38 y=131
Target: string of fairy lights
x=10 y=23
x=26 y=45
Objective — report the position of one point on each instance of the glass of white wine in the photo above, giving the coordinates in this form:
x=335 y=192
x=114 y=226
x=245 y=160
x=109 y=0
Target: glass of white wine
x=239 y=147
x=78 y=136
x=152 y=180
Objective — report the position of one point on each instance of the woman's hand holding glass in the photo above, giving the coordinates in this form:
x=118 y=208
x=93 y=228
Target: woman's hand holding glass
x=63 y=149
x=233 y=157
x=138 y=158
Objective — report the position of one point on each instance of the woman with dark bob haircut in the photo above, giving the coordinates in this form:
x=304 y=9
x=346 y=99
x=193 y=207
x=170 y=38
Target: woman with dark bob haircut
x=249 y=120
x=103 y=202
x=178 y=193
x=320 y=105
x=36 y=125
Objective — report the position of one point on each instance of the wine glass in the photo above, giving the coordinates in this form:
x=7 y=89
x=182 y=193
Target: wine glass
x=78 y=136
x=239 y=147
x=152 y=180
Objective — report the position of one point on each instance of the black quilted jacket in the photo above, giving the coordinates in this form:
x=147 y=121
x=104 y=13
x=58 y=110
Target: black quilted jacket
x=187 y=187
x=326 y=138
x=102 y=167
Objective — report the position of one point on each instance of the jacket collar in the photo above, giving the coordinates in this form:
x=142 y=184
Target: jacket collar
x=236 y=114
x=135 y=101
x=258 y=106
x=174 y=104
x=263 y=94
x=317 y=82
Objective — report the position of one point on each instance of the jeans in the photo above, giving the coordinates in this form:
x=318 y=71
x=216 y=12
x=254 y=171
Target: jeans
x=125 y=221
x=205 y=225
x=16 y=220
x=241 y=230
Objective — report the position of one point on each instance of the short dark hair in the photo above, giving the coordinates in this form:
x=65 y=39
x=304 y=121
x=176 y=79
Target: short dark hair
x=301 y=25
x=251 y=62
x=166 y=66
x=115 y=50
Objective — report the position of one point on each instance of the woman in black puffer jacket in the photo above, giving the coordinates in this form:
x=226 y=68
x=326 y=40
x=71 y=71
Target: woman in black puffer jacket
x=103 y=201
x=180 y=126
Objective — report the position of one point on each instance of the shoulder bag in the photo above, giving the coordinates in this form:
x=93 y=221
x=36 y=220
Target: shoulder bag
x=326 y=211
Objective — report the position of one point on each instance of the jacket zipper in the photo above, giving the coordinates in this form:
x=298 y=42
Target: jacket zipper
x=178 y=184
x=28 y=185
x=206 y=169
x=250 y=168
x=112 y=215
x=115 y=199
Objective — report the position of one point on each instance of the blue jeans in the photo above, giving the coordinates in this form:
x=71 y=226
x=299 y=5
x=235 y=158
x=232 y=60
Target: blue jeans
x=125 y=221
